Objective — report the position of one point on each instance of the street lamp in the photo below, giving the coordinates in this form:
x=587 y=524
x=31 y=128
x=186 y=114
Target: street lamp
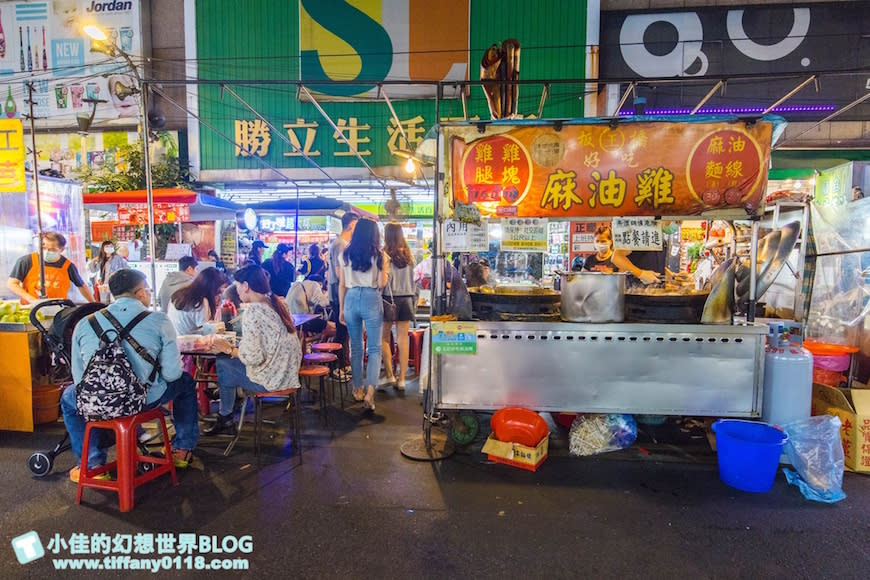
x=100 y=43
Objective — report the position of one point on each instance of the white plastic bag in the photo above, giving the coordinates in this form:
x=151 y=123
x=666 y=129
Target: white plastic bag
x=815 y=451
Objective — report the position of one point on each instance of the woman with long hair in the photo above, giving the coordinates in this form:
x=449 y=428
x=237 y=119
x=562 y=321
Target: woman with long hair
x=194 y=308
x=268 y=355
x=108 y=262
x=399 y=291
x=602 y=259
x=281 y=272
x=363 y=273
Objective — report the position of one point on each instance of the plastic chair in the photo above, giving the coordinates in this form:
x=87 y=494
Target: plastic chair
x=330 y=360
x=128 y=458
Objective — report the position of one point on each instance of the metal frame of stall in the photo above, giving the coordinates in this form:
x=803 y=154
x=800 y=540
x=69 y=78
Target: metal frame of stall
x=662 y=369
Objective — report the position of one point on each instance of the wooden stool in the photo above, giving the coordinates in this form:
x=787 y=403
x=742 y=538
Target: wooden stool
x=128 y=458
x=311 y=371
x=292 y=397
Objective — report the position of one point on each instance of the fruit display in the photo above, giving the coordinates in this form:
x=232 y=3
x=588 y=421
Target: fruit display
x=12 y=311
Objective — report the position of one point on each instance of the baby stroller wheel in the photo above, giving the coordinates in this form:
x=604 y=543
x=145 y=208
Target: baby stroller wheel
x=40 y=463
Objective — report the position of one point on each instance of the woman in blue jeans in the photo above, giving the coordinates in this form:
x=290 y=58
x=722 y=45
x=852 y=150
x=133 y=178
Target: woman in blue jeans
x=363 y=274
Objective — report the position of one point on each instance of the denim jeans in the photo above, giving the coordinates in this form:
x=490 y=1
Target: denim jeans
x=231 y=374
x=182 y=394
x=364 y=306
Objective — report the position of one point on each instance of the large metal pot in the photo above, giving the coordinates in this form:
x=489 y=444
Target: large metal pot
x=664 y=308
x=507 y=304
x=593 y=297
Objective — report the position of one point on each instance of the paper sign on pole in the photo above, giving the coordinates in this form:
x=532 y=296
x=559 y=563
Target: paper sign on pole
x=465 y=237
x=12 y=156
x=637 y=234
x=524 y=235
x=178 y=251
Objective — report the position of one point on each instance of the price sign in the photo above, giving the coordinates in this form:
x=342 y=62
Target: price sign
x=524 y=235
x=637 y=234
x=465 y=237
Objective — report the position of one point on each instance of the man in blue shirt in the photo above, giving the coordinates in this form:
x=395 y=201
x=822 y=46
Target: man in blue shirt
x=156 y=335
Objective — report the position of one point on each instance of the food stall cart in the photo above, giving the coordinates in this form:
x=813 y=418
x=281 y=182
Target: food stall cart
x=528 y=173
x=199 y=220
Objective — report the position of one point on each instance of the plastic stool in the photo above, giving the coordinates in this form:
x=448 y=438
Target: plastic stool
x=311 y=371
x=415 y=348
x=330 y=360
x=128 y=458
x=292 y=395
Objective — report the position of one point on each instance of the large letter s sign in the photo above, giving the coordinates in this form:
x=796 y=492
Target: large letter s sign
x=367 y=37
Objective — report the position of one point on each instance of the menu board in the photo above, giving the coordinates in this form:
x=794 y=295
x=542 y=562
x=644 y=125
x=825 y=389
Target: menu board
x=524 y=235
x=465 y=237
x=135 y=214
x=637 y=234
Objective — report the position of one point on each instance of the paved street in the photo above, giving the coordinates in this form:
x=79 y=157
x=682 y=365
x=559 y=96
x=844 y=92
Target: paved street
x=356 y=508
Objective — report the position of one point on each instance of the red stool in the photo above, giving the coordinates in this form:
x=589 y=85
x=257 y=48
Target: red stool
x=332 y=347
x=415 y=348
x=330 y=360
x=128 y=458
x=319 y=372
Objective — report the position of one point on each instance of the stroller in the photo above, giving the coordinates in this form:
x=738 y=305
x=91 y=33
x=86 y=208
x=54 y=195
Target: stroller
x=58 y=339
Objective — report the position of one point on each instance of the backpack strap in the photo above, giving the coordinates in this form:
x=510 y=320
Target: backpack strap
x=124 y=334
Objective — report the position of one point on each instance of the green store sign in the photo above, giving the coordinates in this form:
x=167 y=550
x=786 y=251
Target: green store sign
x=369 y=42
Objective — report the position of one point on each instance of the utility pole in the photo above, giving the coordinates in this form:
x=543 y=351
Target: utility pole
x=36 y=187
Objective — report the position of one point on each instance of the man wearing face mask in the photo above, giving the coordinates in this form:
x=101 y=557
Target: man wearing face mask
x=60 y=273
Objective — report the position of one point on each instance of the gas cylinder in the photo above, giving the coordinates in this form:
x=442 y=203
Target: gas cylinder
x=788 y=377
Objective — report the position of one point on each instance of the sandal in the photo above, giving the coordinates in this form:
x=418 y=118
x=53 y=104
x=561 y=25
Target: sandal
x=369 y=400
x=182 y=458
x=359 y=395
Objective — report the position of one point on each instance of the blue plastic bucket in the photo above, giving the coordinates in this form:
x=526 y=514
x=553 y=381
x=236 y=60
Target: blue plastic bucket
x=748 y=453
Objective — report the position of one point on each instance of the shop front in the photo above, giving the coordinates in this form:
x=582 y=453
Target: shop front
x=606 y=342
x=186 y=223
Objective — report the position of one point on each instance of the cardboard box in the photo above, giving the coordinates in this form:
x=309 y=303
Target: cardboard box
x=852 y=406
x=515 y=454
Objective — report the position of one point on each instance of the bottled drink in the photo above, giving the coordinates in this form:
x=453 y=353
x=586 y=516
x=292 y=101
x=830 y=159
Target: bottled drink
x=29 y=53
x=10 y=109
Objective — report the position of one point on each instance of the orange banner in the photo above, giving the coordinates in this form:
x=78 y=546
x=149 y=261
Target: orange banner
x=643 y=169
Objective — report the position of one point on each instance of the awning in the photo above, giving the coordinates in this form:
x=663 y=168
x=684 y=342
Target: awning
x=203 y=207
x=311 y=206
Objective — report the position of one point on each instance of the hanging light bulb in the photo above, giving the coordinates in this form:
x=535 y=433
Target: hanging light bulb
x=410 y=166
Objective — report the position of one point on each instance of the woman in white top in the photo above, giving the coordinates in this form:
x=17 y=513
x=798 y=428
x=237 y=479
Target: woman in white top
x=363 y=273
x=194 y=309
x=268 y=355
x=400 y=292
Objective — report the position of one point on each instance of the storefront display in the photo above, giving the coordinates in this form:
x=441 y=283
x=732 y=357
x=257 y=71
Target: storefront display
x=530 y=176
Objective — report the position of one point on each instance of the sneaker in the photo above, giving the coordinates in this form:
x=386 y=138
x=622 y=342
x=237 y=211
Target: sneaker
x=76 y=471
x=182 y=458
x=400 y=385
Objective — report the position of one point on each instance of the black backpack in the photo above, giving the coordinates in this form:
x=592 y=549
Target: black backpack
x=109 y=387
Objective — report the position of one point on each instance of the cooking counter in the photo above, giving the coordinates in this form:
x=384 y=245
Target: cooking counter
x=666 y=369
